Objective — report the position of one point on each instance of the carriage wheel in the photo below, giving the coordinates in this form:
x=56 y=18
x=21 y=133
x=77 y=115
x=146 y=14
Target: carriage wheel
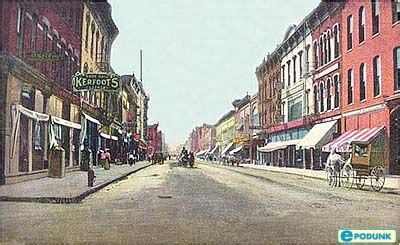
x=330 y=177
x=377 y=178
x=360 y=181
x=347 y=177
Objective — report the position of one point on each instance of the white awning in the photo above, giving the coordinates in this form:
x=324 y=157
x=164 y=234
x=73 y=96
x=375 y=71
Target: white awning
x=214 y=149
x=106 y=136
x=201 y=152
x=319 y=135
x=114 y=137
x=66 y=123
x=93 y=120
x=32 y=114
x=272 y=146
x=237 y=149
x=229 y=146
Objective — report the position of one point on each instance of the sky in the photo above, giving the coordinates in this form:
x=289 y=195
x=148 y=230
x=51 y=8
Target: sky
x=198 y=55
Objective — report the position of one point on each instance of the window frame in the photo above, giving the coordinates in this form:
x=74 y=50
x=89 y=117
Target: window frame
x=377 y=75
x=350 y=26
x=350 y=86
x=361 y=24
x=363 y=82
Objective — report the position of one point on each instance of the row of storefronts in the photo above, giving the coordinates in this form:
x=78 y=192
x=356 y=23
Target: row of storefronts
x=45 y=125
x=334 y=79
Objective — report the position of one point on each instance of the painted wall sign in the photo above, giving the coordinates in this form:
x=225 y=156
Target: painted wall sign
x=44 y=56
x=96 y=82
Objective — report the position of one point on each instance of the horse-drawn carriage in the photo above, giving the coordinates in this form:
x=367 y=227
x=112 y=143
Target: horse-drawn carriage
x=366 y=161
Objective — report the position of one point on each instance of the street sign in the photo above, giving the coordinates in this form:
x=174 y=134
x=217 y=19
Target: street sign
x=96 y=82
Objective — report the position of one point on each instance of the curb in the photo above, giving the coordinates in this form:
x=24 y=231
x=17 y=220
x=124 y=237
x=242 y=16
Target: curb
x=70 y=200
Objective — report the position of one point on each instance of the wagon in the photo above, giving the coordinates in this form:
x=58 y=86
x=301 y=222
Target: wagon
x=366 y=162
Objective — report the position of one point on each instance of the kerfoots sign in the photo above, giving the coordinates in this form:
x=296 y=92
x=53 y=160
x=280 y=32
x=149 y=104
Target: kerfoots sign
x=95 y=82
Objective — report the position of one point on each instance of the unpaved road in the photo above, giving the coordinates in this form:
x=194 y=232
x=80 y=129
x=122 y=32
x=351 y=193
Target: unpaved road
x=207 y=204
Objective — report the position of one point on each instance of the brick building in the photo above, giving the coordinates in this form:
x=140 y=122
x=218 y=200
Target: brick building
x=371 y=87
x=154 y=139
x=39 y=52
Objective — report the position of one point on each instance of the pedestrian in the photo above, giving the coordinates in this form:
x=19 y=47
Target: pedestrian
x=191 y=159
x=107 y=159
x=91 y=177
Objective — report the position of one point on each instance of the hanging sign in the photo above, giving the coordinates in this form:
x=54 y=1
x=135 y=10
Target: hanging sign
x=96 y=82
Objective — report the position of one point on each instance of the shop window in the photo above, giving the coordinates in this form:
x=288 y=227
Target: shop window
x=362 y=82
x=375 y=17
x=328 y=95
x=337 y=90
x=361 y=24
x=350 y=86
x=349 y=32
x=396 y=65
x=396 y=10
x=377 y=75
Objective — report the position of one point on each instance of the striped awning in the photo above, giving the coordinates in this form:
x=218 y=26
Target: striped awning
x=343 y=142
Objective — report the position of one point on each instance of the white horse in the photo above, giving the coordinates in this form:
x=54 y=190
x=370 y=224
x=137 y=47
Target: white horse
x=335 y=161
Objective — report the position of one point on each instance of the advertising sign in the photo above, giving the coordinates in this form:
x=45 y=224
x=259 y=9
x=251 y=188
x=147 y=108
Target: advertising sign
x=96 y=82
x=45 y=56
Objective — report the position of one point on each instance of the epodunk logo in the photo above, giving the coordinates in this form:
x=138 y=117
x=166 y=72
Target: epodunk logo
x=365 y=236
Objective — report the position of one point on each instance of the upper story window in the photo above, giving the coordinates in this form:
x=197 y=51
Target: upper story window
x=349 y=32
x=396 y=65
x=329 y=46
x=87 y=30
x=362 y=82
x=19 y=18
x=283 y=74
x=350 y=86
x=315 y=98
x=307 y=62
x=361 y=24
x=92 y=39
x=316 y=54
x=288 y=73
x=34 y=32
x=336 y=40
x=337 y=90
x=301 y=63
x=321 y=94
x=377 y=75
x=294 y=69
x=329 y=94
x=325 y=52
x=396 y=10
x=375 y=17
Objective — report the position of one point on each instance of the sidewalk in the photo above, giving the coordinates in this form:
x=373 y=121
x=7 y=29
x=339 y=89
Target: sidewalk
x=391 y=181
x=73 y=188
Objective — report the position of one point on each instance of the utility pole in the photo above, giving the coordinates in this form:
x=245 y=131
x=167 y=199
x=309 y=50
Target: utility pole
x=141 y=65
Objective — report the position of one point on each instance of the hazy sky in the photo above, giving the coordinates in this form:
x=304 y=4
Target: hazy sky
x=198 y=55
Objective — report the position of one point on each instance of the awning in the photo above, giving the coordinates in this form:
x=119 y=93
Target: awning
x=114 y=137
x=106 y=136
x=89 y=118
x=66 y=123
x=237 y=149
x=272 y=146
x=319 y=135
x=229 y=146
x=201 y=152
x=214 y=149
x=343 y=142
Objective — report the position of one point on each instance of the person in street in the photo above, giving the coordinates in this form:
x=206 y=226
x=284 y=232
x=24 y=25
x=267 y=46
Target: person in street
x=191 y=159
x=107 y=159
x=91 y=177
